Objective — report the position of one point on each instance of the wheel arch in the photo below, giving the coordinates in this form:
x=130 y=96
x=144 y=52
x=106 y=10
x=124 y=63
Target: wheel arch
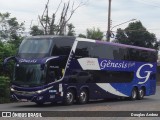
x=144 y=88
x=135 y=87
x=85 y=88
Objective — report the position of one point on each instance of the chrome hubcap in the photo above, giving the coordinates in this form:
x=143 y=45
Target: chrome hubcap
x=83 y=96
x=134 y=94
x=141 y=93
x=69 y=97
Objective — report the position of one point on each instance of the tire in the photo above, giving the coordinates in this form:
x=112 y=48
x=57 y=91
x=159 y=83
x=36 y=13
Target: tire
x=133 y=94
x=69 y=97
x=83 y=97
x=141 y=94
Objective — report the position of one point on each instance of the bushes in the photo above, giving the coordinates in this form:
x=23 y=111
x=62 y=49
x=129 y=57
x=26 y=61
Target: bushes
x=4 y=89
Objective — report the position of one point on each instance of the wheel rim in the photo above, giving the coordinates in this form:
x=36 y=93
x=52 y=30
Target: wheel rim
x=141 y=93
x=83 y=96
x=134 y=94
x=69 y=97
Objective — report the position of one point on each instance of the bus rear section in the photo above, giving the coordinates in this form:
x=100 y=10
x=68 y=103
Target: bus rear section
x=101 y=70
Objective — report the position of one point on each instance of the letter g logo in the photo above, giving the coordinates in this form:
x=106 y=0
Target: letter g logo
x=144 y=77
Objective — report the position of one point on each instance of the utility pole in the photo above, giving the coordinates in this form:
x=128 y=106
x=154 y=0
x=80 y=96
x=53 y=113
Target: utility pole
x=109 y=22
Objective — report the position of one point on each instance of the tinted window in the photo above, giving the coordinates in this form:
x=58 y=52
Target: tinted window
x=94 y=50
x=83 y=49
x=83 y=74
x=89 y=49
x=142 y=55
x=111 y=76
x=62 y=46
x=95 y=76
x=102 y=51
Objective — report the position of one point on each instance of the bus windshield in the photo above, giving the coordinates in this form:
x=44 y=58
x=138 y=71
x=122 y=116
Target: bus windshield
x=37 y=48
x=29 y=75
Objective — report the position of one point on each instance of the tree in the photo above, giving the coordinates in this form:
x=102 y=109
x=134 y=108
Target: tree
x=71 y=31
x=10 y=36
x=36 y=31
x=82 y=36
x=10 y=30
x=136 y=34
x=48 y=22
x=94 y=34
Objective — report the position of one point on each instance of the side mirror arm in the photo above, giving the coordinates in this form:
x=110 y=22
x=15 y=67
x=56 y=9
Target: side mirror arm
x=7 y=60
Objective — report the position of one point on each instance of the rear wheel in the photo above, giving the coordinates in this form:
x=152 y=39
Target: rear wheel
x=133 y=94
x=69 y=97
x=141 y=93
x=83 y=97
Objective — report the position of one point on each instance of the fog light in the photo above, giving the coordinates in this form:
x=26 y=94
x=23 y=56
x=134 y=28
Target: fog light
x=40 y=98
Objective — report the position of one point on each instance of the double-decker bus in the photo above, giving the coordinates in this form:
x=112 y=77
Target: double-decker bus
x=68 y=69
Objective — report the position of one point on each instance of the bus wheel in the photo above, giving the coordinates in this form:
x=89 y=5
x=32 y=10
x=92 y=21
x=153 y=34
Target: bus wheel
x=69 y=97
x=83 y=97
x=133 y=94
x=141 y=93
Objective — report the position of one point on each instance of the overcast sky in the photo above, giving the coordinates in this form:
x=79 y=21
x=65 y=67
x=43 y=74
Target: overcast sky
x=93 y=14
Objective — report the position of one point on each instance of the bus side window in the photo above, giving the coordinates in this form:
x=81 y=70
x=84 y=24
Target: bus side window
x=82 y=50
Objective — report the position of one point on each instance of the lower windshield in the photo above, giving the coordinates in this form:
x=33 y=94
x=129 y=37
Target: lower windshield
x=28 y=75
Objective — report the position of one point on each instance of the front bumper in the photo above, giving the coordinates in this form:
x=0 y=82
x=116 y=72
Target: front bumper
x=46 y=96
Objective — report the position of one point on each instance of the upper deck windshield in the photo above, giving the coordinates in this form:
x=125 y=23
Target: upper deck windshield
x=35 y=48
x=45 y=47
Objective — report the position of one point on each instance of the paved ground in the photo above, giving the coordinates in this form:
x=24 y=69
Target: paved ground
x=151 y=103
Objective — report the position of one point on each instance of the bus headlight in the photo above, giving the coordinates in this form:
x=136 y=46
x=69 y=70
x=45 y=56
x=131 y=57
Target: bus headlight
x=12 y=90
x=39 y=91
x=43 y=90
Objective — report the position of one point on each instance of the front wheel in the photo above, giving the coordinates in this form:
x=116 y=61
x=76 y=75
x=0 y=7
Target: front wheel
x=133 y=94
x=83 y=97
x=141 y=94
x=69 y=97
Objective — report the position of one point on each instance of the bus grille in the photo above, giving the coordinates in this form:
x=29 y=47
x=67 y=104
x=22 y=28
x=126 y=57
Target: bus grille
x=25 y=93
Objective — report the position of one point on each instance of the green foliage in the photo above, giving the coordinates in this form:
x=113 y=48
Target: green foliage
x=4 y=88
x=71 y=31
x=10 y=37
x=6 y=50
x=36 y=31
x=10 y=29
x=82 y=36
x=136 y=34
x=95 y=34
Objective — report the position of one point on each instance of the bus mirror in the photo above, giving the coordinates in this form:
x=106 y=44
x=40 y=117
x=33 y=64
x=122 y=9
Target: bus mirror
x=7 y=60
